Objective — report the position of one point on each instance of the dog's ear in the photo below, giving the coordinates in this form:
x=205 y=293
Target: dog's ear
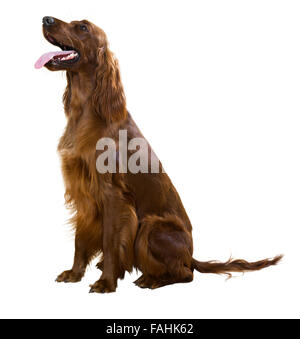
x=108 y=98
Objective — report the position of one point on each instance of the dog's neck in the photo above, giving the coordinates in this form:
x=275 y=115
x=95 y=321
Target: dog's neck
x=77 y=102
x=79 y=91
x=97 y=91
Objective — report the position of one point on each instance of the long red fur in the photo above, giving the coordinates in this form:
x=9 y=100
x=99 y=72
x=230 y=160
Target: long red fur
x=132 y=220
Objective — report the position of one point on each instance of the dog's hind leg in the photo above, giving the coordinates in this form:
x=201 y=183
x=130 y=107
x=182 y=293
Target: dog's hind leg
x=163 y=251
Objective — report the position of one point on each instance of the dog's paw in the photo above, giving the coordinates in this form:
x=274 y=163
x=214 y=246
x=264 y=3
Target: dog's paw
x=102 y=286
x=69 y=277
x=147 y=282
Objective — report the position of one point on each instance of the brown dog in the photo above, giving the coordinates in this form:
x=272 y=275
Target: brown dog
x=132 y=219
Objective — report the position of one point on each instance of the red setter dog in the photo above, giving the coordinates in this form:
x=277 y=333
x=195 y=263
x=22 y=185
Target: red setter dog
x=134 y=220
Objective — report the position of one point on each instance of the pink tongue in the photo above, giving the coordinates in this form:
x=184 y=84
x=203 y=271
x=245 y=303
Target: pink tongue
x=48 y=56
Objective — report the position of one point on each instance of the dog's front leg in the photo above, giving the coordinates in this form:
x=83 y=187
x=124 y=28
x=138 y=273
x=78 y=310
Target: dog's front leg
x=108 y=280
x=120 y=225
x=76 y=273
x=87 y=243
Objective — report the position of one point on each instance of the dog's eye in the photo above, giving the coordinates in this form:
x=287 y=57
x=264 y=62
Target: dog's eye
x=83 y=28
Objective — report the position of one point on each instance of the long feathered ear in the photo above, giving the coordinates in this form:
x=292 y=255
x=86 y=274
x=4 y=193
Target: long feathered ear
x=108 y=98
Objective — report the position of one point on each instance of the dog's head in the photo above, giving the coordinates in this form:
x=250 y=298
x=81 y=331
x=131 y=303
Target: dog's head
x=80 y=43
x=84 y=50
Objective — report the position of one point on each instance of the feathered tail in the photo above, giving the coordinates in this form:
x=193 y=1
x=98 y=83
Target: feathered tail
x=233 y=265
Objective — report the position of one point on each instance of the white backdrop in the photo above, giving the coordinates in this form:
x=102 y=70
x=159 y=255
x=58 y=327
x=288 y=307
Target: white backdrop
x=217 y=82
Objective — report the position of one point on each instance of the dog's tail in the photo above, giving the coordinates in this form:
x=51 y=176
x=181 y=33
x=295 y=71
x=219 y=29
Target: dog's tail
x=233 y=265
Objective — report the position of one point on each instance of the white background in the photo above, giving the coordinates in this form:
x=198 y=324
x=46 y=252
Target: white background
x=216 y=82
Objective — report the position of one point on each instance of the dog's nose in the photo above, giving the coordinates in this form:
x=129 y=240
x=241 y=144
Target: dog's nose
x=48 y=20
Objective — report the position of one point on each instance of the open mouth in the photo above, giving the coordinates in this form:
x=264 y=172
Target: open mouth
x=66 y=57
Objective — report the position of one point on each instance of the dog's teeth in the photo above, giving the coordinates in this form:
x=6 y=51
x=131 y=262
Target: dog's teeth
x=68 y=57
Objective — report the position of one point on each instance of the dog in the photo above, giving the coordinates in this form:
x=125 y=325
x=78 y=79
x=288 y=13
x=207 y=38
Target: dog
x=133 y=219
